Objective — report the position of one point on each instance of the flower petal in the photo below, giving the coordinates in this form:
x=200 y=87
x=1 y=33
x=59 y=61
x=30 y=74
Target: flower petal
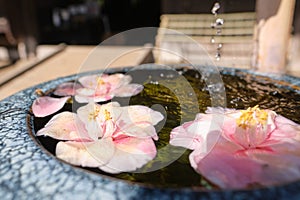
x=285 y=128
x=138 y=113
x=117 y=80
x=131 y=154
x=85 y=95
x=44 y=106
x=201 y=133
x=128 y=90
x=222 y=168
x=65 y=126
x=138 y=121
x=89 y=81
x=93 y=116
x=67 y=89
x=86 y=154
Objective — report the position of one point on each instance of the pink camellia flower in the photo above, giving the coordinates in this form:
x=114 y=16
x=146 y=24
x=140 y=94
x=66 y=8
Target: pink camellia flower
x=100 y=88
x=242 y=148
x=91 y=88
x=113 y=138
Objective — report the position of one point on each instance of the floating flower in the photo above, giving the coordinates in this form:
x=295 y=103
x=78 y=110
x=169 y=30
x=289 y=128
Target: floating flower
x=91 y=88
x=100 y=88
x=242 y=148
x=113 y=138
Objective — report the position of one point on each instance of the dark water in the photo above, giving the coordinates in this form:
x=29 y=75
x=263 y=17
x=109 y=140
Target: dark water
x=179 y=95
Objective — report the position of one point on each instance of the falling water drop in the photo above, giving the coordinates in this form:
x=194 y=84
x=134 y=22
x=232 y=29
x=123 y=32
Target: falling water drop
x=220 y=45
x=215 y=8
x=219 y=22
x=218 y=56
x=212 y=40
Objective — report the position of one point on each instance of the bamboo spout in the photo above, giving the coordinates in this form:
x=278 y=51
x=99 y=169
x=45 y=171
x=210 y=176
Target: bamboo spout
x=272 y=34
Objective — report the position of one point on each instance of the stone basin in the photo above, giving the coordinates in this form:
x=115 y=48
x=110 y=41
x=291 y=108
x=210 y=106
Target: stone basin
x=29 y=169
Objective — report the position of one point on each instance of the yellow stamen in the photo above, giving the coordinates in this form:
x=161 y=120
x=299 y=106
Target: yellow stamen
x=94 y=115
x=100 y=81
x=252 y=117
x=107 y=115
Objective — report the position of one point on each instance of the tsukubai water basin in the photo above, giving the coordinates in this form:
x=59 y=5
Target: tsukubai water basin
x=29 y=168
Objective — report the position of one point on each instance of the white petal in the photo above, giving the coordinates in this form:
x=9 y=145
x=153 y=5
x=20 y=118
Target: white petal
x=86 y=154
x=65 y=126
x=88 y=114
x=128 y=90
x=131 y=154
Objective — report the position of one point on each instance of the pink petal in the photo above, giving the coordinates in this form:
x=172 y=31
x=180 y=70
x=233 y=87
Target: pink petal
x=44 y=106
x=225 y=170
x=281 y=166
x=128 y=90
x=86 y=154
x=89 y=81
x=138 y=121
x=85 y=95
x=226 y=167
x=202 y=133
x=285 y=128
x=131 y=154
x=65 y=126
x=67 y=89
x=117 y=80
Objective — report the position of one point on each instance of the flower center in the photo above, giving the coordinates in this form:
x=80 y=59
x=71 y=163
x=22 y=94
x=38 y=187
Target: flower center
x=252 y=117
x=100 y=81
x=94 y=115
x=107 y=115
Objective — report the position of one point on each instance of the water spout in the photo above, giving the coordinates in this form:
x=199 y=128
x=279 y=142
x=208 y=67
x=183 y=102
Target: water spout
x=272 y=34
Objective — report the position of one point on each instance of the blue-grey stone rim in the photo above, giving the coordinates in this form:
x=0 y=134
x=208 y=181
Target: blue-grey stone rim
x=28 y=172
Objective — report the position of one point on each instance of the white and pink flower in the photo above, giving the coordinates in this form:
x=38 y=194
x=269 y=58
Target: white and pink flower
x=92 y=88
x=242 y=148
x=113 y=138
x=100 y=88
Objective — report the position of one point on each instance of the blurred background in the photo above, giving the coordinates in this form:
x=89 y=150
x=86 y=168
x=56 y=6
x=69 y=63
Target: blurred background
x=91 y=21
x=88 y=22
x=33 y=31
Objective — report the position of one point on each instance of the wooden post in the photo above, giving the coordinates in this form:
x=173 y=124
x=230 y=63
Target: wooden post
x=272 y=34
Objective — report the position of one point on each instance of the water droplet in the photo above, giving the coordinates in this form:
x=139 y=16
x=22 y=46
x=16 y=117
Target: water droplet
x=191 y=94
x=219 y=22
x=170 y=76
x=176 y=90
x=212 y=40
x=154 y=82
x=218 y=56
x=162 y=75
x=219 y=31
x=196 y=75
x=215 y=8
x=220 y=45
x=213 y=25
